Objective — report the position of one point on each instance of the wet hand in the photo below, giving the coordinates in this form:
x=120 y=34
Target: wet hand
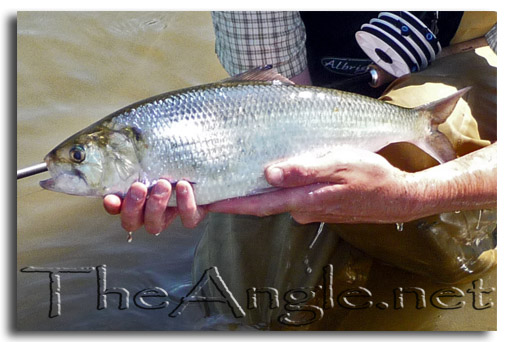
x=138 y=209
x=345 y=186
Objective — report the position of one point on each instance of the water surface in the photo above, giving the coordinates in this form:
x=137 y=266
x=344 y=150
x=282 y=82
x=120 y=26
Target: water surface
x=73 y=69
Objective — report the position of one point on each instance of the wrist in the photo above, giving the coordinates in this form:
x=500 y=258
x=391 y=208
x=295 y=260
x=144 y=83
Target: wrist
x=419 y=197
x=428 y=194
x=456 y=185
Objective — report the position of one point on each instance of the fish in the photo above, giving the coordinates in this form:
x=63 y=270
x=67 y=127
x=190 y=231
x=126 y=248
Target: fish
x=221 y=136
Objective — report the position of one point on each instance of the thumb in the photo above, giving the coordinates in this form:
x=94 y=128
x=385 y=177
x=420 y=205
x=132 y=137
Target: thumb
x=306 y=170
x=337 y=166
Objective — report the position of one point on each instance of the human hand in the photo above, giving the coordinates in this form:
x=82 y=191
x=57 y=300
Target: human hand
x=344 y=186
x=137 y=210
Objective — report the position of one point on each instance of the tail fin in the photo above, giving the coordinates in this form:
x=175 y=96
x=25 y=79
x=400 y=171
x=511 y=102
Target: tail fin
x=436 y=144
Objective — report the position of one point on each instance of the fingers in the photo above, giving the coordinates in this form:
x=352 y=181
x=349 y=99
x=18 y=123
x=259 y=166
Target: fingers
x=157 y=215
x=153 y=212
x=306 y=170
x=189 y=212
x=132 y=207
x=112 y=204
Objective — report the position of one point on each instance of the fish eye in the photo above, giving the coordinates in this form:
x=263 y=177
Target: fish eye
x=77 y=154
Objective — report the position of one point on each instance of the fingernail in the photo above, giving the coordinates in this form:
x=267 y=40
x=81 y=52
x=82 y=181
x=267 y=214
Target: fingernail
x=137 y=194
x=183 y=190
x=160 y=189
x=275 y=175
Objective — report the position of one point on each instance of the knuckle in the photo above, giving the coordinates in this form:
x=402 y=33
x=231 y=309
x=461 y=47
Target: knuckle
x=188 y=222
x=155 y=206
x=111 y=210
x=301 y=218
x=303 y=172
x=189 y=225
x=192 y=220
x=264 y=213
x=186 y=209
x=130 y=225
x=131 y=220
x=153 y=227
x=152 y=219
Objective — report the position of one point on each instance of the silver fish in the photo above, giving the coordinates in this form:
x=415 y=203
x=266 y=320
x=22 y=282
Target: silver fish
x=222 y=136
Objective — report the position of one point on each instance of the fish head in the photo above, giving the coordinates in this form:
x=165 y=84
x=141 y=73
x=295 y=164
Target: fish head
x=93 y=163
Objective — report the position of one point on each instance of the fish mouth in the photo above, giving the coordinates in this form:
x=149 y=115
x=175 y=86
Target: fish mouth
x=70 y=182
x=48 y=184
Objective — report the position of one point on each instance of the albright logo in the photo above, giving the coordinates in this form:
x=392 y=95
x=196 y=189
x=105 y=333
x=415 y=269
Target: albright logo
x=346 y=66
x=296 y=306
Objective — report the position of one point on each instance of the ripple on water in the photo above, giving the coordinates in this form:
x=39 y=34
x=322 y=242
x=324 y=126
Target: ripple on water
x=129 y=25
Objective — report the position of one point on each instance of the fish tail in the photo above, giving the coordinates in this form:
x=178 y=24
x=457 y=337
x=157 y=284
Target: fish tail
x=436 y=144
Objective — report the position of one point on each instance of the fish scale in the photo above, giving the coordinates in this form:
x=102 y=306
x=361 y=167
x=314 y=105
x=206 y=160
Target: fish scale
x=222 y=136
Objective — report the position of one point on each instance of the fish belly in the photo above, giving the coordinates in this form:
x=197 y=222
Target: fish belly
x=221 y=138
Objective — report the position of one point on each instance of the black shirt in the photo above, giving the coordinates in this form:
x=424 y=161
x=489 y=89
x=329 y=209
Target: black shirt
x=336 y=60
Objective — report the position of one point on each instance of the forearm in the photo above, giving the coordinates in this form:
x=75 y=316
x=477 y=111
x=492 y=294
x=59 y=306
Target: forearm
x=465 y=183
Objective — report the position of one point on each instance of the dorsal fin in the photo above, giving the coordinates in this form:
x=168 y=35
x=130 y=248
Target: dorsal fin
x=265 y=73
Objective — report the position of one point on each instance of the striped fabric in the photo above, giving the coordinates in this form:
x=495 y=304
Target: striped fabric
x=245 y=40
x=491 y=38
